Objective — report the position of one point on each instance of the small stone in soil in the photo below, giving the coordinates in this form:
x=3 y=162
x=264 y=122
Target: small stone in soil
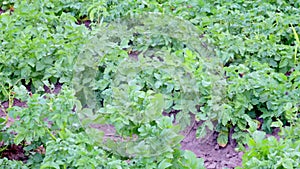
x=228 y=155
x=211 y=166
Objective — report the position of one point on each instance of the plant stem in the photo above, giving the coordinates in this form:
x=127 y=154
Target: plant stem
x=49 y=132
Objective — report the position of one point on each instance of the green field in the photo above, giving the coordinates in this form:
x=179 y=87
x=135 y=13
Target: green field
x=167 y=84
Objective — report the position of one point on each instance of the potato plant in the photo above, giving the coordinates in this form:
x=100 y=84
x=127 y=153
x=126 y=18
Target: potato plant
x=233 y=65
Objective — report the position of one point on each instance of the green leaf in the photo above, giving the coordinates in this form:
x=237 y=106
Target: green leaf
x=287 y=163
x=201 y=131
x=164 y=164
x=258 y=136
x=50 y=165
x=2 y=120
x=192 y=161
x=19 y=138
x=222 y=139
x=277 y=123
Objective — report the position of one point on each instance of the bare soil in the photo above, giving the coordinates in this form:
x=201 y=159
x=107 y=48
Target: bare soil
x=215 y=157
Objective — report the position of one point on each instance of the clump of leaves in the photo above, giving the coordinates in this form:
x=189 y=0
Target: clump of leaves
x=251 y=98
x=48 y=120
x=257 y=41
x=42 y=116
x=37 y=45
x=143 y=56
x=273 y=153
x=253 y=32
x=4 y=162
x=132 y=71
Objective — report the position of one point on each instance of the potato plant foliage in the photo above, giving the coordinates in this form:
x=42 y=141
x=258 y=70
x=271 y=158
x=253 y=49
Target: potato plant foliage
x=234 y=64
x=168 y=69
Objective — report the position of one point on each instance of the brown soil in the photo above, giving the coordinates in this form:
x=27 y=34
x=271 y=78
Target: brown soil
x=215 y=157
x=56 y=89
x=14 y=152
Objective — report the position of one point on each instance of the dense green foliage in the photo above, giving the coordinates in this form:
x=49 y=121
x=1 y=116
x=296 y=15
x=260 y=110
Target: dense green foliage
x=133 y=91
x=37 y=46
x=248 y=77
x=273 y=153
